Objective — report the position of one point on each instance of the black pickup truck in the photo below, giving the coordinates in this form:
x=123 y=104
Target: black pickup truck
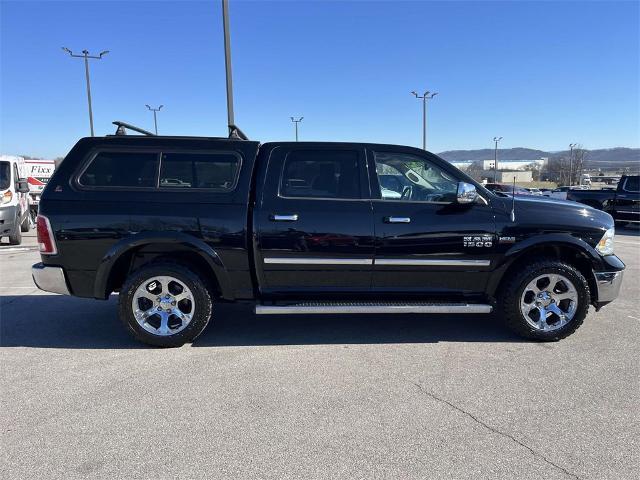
x=623 y=203
x=176 y=224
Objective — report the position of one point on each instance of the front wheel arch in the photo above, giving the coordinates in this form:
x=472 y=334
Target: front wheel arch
x=565 y=252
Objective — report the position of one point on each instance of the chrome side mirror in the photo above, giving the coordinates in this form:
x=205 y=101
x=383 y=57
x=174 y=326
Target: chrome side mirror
x=466 y=193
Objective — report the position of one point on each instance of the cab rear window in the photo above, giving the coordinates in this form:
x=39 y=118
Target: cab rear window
x=212 y=171
x=121 y=169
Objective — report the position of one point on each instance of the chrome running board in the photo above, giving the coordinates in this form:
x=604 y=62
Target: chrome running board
x=330 y=308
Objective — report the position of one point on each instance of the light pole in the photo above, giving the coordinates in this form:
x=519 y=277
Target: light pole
x=227 y=64
x=424 y=97
x=86 y=56
x=296 y=122
x=495 y=159
x=155 y=120
x=571 y=145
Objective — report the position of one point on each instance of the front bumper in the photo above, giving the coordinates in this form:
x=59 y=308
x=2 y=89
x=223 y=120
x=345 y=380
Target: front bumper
x=50 y=279
x=608 y=285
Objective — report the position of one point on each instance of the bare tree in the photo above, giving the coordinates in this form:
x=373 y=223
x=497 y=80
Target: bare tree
x=475 y=170
x=579 y=155
x=535 y=170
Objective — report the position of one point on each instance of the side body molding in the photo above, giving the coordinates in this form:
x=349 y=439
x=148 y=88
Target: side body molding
x=208 y=255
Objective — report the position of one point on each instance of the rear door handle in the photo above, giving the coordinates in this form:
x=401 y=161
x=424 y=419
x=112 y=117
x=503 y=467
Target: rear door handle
x=284 y=218
x=397 y=219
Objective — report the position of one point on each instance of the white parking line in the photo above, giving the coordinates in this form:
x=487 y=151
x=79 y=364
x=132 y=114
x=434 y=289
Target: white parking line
x=18 y=249
x=635 y=318
x=628 y=243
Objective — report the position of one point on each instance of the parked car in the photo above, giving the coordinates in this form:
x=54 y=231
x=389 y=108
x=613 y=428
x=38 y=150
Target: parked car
x=623 y=203
x=14 y=199
x=560 y=193
x=534 y=191
x=303 y=228
x=507 y=189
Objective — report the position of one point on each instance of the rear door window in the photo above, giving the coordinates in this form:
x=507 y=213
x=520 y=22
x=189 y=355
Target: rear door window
x=121 y=169
x=212 y=171
x=321 y=174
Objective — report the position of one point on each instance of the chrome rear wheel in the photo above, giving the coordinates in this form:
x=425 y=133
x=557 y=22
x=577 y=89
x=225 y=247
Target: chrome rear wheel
x=163 y=305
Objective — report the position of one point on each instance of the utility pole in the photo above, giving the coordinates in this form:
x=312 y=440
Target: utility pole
x=296 y=122
x=86 y=56
x=227 y=64
x=571 y=145
x=424 y=97
x=155 y=120
x=495 y=159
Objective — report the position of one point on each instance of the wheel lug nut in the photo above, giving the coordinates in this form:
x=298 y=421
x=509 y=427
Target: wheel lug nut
x=173 y=303
x=168 y=310
x=159 y=308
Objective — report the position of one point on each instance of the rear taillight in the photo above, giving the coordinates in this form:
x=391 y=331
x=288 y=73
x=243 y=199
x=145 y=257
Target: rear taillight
x=46 y=242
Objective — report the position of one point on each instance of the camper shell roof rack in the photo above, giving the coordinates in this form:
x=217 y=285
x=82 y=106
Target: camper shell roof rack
x=122 y=127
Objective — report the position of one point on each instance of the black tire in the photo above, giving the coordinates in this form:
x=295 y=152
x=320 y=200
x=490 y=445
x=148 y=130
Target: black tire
x=15 y=237
x=513 y=288
x=25 y=226
x=201 y=294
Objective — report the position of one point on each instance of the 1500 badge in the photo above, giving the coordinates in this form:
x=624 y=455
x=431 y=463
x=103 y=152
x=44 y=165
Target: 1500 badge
x=478 y=241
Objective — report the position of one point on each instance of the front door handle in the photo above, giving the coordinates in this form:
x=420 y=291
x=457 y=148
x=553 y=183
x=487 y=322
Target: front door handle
x=397 y=220
x=284 y=218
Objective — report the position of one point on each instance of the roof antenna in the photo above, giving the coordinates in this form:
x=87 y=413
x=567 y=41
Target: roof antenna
x=513 y=201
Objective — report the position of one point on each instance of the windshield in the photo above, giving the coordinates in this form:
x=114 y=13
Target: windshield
x=5 y=175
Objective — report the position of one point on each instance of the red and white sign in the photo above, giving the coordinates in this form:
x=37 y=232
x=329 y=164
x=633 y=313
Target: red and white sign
x=38 y=174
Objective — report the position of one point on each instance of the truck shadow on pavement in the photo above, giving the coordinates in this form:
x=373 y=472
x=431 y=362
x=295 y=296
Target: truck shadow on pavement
x=55 y=321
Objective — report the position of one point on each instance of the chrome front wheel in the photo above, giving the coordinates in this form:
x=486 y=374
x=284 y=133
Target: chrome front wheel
x=549 y=302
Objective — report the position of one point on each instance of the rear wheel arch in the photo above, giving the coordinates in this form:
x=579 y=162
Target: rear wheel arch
x=127 y=257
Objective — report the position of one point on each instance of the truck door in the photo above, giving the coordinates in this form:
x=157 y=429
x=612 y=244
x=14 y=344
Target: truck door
x=425 y=241
x=627 y=201
x=313 y=221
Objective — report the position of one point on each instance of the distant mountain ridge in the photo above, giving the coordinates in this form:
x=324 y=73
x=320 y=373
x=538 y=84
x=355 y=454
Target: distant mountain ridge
x=603 y=157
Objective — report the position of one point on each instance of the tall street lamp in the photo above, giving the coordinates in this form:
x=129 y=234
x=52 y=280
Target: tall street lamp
x=227 y=65
x=424 y=97
x=571 y=146
x=296 y=122
x=495 y=159
x=155 y=120
x=87 y=56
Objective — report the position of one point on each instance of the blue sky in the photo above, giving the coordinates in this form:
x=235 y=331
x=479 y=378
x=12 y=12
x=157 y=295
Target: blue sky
x=540 y=74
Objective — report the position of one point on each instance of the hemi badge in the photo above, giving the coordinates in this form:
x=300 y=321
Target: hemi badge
x=507 y=240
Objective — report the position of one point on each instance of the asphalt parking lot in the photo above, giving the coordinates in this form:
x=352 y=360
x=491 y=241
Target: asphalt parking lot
x=332 y=397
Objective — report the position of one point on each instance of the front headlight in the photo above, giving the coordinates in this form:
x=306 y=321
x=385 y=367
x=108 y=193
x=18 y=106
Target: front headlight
x=605 y=245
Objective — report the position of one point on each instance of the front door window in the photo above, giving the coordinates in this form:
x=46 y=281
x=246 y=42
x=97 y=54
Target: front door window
x=403 y=176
